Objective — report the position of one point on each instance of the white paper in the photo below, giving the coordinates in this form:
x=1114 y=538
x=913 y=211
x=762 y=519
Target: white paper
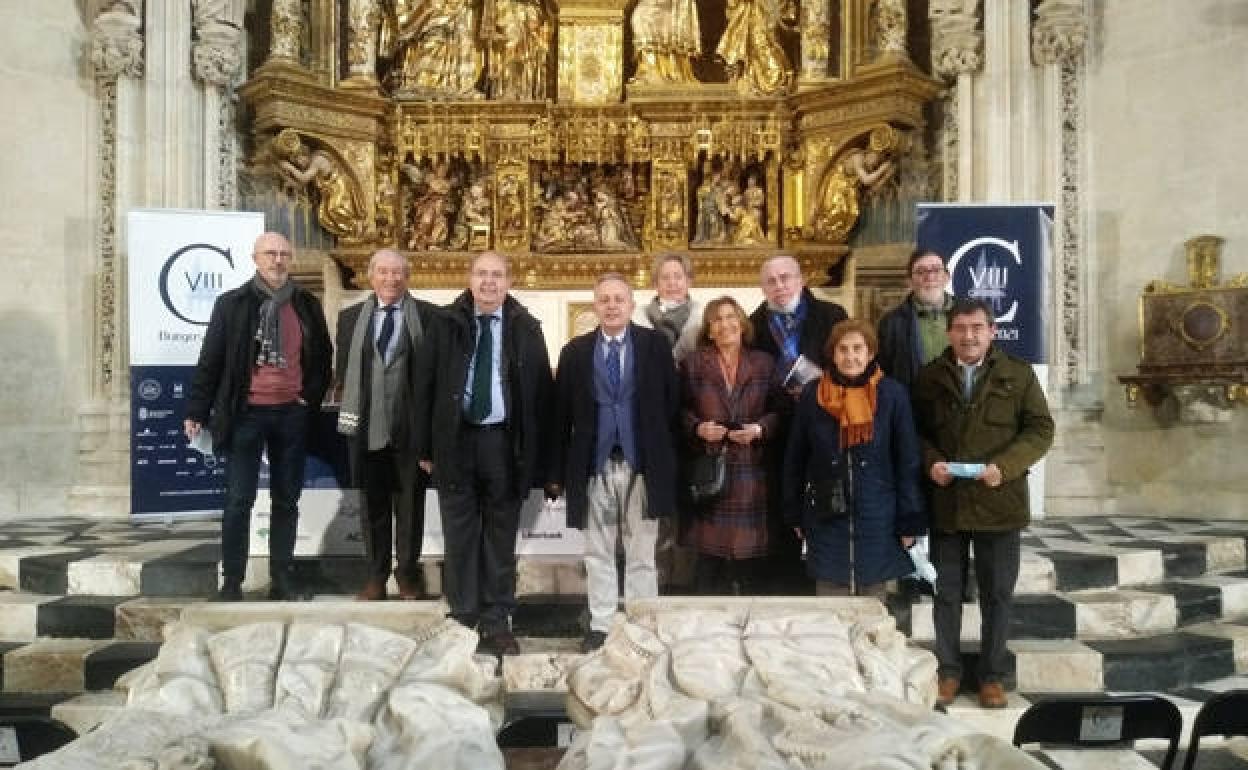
x=804 y=370
x=9 y=754
x=1101 y=723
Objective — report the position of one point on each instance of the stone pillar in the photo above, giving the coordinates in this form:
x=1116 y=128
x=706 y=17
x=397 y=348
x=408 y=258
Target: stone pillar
x=957 y=55
x=363 y=18
x=285 y=32
x=890 y=30
x=216 y=59
x=116 y=57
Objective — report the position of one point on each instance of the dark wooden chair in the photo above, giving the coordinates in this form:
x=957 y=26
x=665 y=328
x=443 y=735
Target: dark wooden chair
x=36 y=735
x=1224 y=714
x=1101 y=721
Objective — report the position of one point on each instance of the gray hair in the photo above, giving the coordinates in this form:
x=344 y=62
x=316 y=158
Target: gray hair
x=686 y=264
x=496 y=255
x=377 y=255
x=612 y=276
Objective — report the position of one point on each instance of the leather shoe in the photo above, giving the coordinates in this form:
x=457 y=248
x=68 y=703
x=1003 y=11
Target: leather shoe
x=992 y=696
x=947 y=689
x=499 y=643
x=409 y=590
x=373 y=591
x=282 y=588
x=231 y=591
x=593 y=640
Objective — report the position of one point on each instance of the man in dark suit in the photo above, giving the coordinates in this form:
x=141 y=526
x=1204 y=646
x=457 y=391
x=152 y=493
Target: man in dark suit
x=377 y=341
x=487 y=381
x=791 y=324
x=613 y=449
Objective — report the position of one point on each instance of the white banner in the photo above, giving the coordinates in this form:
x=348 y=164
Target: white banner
x=179 y=261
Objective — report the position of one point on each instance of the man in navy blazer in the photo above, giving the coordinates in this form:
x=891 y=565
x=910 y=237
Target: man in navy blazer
x=613 y=448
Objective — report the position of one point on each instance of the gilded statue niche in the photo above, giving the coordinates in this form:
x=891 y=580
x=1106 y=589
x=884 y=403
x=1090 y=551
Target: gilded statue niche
x=856 y=171
x=587 y=207
x=339 y=205
x=730 y=205
x=447 y=204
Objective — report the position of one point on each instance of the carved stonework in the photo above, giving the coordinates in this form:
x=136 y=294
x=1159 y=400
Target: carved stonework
x=286 y=28
x=1060 y=31
x=363 y=17
x=116 y=45
x=217 y=54
x=957 y=41
x=591 y=39
x=816 y=31
x=949 y=145
x=890 y=27
x=1073 y=362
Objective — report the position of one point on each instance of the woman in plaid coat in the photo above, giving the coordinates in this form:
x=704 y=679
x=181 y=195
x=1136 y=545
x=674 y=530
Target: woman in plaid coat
x=729 y=402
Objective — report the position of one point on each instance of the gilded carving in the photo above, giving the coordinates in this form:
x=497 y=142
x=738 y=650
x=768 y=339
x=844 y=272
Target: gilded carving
x=520 y=34
x=666 y=40
x=363 y=17
x=890 y=26
x=815 y=25
x=858 y=167
x=757 y=63
x=433 y=49
x=731 y=205
x=670 y=229
x=586 y=207
x=339 y=205
x=512 y=208
x=590 y=61
x=285 y=31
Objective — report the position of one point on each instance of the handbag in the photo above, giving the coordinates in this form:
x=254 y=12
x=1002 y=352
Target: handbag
x=705 y=475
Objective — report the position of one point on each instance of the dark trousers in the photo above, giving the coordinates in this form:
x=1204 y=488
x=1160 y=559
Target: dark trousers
x=996 y=572
x=480 y=515
x=394 y=501
x=281 y=431
x=719 y=576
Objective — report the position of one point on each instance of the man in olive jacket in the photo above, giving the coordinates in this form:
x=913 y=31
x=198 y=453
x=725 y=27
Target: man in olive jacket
x=980 y=407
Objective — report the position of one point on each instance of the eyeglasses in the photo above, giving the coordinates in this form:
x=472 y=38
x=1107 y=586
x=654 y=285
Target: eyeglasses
x=927 y=272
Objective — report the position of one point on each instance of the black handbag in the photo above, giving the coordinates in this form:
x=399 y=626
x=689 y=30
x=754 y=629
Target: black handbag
x=705 y=475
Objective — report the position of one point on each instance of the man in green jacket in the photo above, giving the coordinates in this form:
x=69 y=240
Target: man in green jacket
x=983 y=421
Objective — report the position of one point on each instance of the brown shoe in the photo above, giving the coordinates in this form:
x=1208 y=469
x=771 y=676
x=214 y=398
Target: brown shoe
x=947 y=689
x=373 y=591
x=499 y=643
x=992 y=696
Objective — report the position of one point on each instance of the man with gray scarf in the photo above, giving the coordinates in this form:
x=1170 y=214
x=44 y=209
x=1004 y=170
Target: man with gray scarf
x=263 y=369
x=377 y=341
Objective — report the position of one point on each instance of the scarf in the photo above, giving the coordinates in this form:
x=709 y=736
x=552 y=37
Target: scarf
x=851 y=402
x=786 y=330
x=352 y=391
x=671 y=322
x=269 y=329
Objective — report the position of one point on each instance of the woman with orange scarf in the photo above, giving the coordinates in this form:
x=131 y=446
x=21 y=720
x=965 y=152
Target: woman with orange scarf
x=851 y=472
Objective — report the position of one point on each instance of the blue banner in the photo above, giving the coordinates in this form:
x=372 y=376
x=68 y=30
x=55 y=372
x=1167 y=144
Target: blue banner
x=1000 y=254
x=166 y=475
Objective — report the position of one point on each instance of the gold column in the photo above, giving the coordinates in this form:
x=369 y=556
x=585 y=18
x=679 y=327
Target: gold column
x=286 y=29
x=591 y=42
x=363 y=17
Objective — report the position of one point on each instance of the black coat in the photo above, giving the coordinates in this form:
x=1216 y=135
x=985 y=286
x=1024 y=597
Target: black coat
x=401 y=433
x=900 y=349
x=655 y=413
x=887 y=501
x=821 y=316
x=227 y=357
x=439 y=382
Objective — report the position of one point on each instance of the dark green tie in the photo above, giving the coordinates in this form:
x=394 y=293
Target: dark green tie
x=482 y=362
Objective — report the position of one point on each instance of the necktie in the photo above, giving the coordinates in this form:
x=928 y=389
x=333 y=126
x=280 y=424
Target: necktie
x=968 y=381
x=387 y=331
x=482 y=363
x=613 y=365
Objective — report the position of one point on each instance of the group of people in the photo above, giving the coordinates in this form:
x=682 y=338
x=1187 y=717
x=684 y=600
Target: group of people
x=833 y=441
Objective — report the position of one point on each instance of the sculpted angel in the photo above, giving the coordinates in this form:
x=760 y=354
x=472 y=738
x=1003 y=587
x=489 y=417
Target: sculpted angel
x=666 y=40
x=338 y=206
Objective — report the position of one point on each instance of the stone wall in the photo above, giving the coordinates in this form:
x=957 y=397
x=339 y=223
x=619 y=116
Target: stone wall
x=46 y=140
x=1167 y=119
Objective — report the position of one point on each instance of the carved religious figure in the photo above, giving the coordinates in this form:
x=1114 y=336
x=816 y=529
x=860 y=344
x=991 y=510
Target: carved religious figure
x=666 y=40
x=428 y=214
x=432 y=47
x=338 y=209
x=710 y=201
x=519 y=45
x=750 y=46
x=614 y=231
x=472 y=221
x=870 y=168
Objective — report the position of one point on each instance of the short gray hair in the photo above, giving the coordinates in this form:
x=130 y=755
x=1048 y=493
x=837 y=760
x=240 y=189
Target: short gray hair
x=379 y=253
x=686 y=264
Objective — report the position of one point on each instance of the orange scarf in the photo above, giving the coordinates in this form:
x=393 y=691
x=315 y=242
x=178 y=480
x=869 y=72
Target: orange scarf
x=854 y=407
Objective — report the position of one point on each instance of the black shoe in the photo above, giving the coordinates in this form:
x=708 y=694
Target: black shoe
x=499 y=643
x=282 y=588
x=593 y=640
x=231 y=591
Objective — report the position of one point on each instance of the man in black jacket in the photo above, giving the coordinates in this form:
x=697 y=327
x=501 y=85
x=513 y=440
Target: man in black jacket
x=913 y=333
x=486 y=378
x=613 y=448
x=263 y=370
x=378 y=343
x=792 y=325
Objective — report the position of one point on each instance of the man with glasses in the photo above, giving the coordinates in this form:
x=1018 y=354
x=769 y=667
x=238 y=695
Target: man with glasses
x=485 y=378
x=913 y=332
x=983 y=422
x=263 y=369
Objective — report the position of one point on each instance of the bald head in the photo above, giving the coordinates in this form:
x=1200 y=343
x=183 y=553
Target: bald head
x=273 y=254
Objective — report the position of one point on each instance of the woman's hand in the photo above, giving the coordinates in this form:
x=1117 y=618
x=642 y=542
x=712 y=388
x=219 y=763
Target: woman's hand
x=711 y=432
x=906 y=541
x=746 y=434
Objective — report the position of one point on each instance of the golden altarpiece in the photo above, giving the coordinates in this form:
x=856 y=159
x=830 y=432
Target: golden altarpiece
x=586 y=135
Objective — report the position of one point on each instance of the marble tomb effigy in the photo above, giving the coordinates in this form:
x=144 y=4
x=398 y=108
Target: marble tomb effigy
x=681 y=684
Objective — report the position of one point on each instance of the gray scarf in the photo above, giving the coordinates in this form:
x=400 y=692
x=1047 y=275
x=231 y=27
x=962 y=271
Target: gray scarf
x=352 y=395
x=670 y=322
x=269 y=329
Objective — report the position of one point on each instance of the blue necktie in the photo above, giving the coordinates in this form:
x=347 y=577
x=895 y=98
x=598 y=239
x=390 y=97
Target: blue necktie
x=613 y=365
x=387 y=331
x=482 y=364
